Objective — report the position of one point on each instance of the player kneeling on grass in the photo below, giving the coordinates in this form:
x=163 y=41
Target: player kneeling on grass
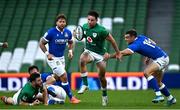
x=56 y=94
x=154 y=70
x=27 y=95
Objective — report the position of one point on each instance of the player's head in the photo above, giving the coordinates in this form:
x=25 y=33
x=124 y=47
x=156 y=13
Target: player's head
x=130 y=36
x=33 y=69
x=92 y=18
x=61 y=21
x=36 y=80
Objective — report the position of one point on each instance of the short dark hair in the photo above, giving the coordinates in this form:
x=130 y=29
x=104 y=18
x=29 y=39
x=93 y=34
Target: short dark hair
x=132 y=32
x=60 y=16
x=32 y=67
x=93 y=13
x=33 y=77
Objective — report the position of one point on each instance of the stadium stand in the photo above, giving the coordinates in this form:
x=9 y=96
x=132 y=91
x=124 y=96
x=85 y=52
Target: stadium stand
x=175 y=50
x=23 y=22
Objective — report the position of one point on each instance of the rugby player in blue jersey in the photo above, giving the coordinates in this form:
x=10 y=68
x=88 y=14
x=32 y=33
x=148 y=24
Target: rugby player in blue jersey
x=154 y=70
x=57 y=38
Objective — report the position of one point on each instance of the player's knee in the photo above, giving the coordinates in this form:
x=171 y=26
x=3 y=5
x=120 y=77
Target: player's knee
x=146 y=73
x=82 y=62
x=63 y=78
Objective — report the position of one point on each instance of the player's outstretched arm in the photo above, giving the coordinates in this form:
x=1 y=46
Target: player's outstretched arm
x=36 y=102
x=126 y=52
x=70 y=47
x=114 y=44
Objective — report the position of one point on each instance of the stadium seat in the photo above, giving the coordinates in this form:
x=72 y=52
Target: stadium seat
x=4 y=61
x=15 y=63
x=30 y=52
x=118 y=20
x=82 y=20
x=107 y=22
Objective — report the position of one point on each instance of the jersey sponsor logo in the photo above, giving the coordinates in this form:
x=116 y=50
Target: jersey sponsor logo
x=61 y=41
x=34 y=96
x=89 y=39
x=24 y=98
x=66 y=35
x=94 y=35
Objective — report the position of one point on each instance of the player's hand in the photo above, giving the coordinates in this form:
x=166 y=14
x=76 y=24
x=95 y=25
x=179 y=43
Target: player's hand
x=74 y=33
x=106 y=56
x=146 y=61
x=5 y=45
x=50 y=57
x=36 y=102
x=118 y=55
x=70 y=54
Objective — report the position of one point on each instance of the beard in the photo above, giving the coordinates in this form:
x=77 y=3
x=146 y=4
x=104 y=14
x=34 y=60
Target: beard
x=39 y=85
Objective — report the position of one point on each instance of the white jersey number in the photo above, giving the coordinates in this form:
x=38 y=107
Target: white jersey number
x=148 y=42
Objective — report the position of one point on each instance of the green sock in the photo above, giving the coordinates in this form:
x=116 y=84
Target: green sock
x=104 y=92
x=84 y=79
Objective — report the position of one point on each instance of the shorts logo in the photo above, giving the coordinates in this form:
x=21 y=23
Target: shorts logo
x=94 y=35
x=89 y=39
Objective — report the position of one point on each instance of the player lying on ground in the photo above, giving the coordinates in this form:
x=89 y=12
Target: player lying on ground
x=56 y=94
x=4 y=44
x=154 y=70
x=57 y=38
x=95 y=36
x=27 y=95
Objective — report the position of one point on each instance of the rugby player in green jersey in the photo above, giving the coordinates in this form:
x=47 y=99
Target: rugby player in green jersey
x=95 y=36
x=27 y=95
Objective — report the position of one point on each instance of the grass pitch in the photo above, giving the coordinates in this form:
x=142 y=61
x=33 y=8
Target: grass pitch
x=117 y=100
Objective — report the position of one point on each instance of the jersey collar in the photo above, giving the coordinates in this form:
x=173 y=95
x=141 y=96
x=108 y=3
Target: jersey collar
x=59 y=30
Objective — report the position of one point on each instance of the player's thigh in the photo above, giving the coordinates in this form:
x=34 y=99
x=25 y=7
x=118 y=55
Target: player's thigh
x=151 y=69
x=15 y=97
x=85 y=58
x=56 y=66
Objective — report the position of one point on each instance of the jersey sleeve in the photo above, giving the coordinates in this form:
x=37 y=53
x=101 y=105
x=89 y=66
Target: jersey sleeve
x=84 y=30
x=133 y=47
x=70 y=36
x=104 y=33
x=47 y=36
x=45 y=76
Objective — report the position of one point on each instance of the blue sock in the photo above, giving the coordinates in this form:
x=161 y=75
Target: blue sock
x=153 y=83
x=66 y=87
x=164 y=90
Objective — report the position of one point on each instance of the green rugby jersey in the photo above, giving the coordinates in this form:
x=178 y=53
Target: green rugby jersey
x=95 y=38
x=28 y=93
